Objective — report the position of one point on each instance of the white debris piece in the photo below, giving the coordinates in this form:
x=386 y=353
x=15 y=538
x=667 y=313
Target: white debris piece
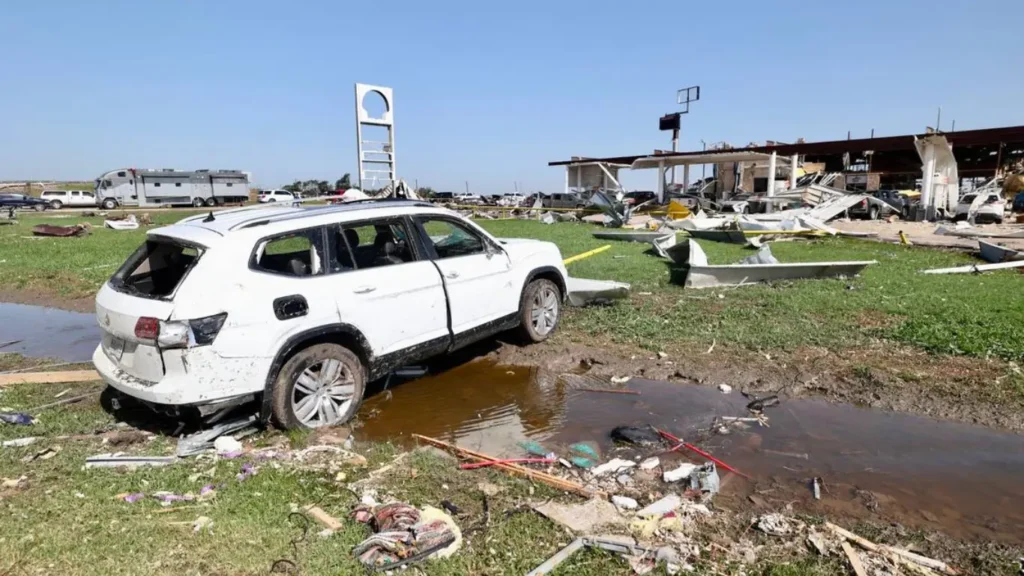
x=680 y=473
x=227 y=446
x=661 y=507
x=624 y=503
x=613 y=465
x=774 y=524
x=650 y=464
x=724 y=388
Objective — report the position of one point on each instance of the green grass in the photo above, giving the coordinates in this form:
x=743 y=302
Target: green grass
x=65 y=519
x=977 y=315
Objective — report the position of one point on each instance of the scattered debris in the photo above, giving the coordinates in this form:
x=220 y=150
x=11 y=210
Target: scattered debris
x=650 y=463
x=203 y=441
x=976 y=268
x=774 y=525
x=612 y=466
x=635 y=435
x=624 y=503
x=202 y=523
x=995 y=253
x=892 y=551
x=724 y=388
x=816 y=487
x=855 y=563
x=581 y=517
x=683 y=471
x=759 y=404
x=60 y=231
x=118 y=460
x=12 y=482
x=123 y=223
x=661 y=507
x=705 y=479
x=42 y=454
x=691 y=447
x=227 y=447
x=16 y=418
x=584 y=292
x=625 y=547
x=401 y=535
x=18 y=442
x=798 y=455
x=324 y=518
x=620 y=379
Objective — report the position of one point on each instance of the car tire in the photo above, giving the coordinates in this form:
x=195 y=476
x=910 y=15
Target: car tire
x=906 y=212
x=40 y=207
x=873 y=213
x=211 y=202
x=540 y=310
x=56 y=204
x=197 y=203
x=109 y=204
x=291 y=397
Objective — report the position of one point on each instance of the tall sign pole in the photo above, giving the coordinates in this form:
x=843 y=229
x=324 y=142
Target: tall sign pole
x=671 y=121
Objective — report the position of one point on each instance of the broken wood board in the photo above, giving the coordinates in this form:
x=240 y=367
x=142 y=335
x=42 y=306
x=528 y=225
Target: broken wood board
x=324 y=518
x=49 y=377
x=582 y=518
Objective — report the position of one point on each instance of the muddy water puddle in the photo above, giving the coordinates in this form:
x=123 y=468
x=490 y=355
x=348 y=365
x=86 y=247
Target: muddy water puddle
x=963 y=480
x=48 y=332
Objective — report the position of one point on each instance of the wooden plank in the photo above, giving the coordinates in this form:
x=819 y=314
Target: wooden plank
x=324 y=518
x=49 y=377
x=851 y=555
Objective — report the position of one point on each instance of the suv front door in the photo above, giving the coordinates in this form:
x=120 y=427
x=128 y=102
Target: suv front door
x=477 y=274
x=385 y=288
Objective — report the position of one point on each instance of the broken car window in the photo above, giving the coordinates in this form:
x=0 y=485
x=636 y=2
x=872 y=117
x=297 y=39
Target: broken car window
x=298 y=254
x=372 y=244
x=156 y=268
x=452 y=240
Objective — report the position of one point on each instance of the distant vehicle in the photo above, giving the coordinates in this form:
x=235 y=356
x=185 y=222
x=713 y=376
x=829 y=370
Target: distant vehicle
x=563 y=201
x=443 y=196
x=58 y=199
x=990 y=210
x=21 y=201
x=511 y=200
x=275 y=196
x=1018 y=202
x=467 y=198
x=740 y=203
x=639 y=197
x=168 y=187
x=882 y=203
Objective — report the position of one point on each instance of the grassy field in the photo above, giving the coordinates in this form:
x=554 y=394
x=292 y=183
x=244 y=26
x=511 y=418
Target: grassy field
x=64 y=519
x=976 y=315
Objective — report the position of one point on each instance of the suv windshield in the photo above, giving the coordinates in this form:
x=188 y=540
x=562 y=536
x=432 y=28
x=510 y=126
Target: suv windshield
x=157 y=268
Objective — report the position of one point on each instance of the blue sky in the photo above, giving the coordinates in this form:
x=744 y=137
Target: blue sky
x=487 y=92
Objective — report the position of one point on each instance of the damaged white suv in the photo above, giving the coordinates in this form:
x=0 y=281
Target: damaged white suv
x=303 y=306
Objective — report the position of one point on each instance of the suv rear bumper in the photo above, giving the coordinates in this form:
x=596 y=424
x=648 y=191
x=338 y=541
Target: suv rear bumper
x=219 y=379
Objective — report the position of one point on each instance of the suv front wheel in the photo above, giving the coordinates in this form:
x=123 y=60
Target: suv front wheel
x=320 y=386
x=539 y=310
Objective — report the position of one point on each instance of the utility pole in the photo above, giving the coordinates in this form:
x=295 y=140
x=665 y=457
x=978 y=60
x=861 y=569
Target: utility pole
x=467 y=186
x=703 y=167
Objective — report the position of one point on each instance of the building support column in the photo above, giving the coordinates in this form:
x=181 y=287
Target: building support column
x=771 y=181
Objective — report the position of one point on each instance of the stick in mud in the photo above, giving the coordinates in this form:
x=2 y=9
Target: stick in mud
x=885 y=549
x=610 y=391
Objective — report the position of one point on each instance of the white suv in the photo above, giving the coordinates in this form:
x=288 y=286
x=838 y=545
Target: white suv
x=275 y=196
x=304 y=306
x=74 y=198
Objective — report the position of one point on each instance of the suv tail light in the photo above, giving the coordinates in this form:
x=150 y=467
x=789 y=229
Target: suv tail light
x=181 y=333
x=147 y=328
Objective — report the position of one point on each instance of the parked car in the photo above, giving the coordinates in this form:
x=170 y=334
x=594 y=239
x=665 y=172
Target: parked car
x=443 y=197
x=561 y=200
x=880 y=204
x=740 y=203
x=275 y=196
x=638 y=197
x=302 y=308
x=1018 y=202
x=511 y=200
x=467 y=198
x=57 y=199
x=21 y=201
x=991 y=208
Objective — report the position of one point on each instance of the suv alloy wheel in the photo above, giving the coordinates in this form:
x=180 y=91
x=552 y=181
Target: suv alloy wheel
x=320 y=386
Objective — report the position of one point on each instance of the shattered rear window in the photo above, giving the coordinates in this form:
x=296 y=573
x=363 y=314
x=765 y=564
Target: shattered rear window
x=157 y=268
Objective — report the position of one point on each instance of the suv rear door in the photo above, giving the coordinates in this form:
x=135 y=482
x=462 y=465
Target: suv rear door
x=477 y=274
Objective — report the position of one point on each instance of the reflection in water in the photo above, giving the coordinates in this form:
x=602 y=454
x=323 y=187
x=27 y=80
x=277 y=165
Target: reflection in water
x=48 y=332
x=965 y=479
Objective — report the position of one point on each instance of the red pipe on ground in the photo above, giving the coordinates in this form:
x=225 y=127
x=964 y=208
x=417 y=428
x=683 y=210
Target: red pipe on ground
x=701 y=452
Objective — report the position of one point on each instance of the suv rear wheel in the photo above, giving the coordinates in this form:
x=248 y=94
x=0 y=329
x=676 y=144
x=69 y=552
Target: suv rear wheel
x=539 y=310
x=320 y=386
x=56 y=204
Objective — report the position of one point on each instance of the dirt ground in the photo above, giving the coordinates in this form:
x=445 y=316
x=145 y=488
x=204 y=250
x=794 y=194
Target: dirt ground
x=923 y=233
x=886 y=377
x=49 y=300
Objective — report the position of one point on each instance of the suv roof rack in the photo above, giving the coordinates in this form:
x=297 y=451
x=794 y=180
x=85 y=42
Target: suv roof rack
x=329 y=209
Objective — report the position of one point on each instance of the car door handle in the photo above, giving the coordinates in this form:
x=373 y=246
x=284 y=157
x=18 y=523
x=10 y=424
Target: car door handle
x=452 y=275
x=365 y=289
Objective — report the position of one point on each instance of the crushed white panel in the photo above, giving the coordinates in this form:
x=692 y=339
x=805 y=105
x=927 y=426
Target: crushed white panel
x=583 y=291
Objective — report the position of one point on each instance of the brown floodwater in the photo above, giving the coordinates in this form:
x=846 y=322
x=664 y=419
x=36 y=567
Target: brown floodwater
x=960 y=479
